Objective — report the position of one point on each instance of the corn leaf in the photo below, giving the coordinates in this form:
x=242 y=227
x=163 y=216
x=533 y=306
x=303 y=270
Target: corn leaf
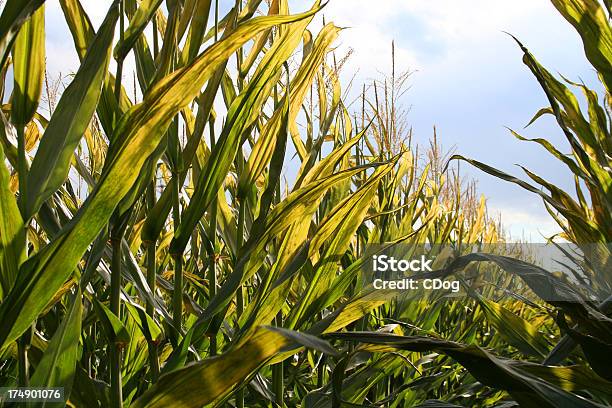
x=58 y=364
x=113 y=327
x=591 y=22
x=12 y=232
x=213 y=377
x=529 y=391
x=28 y=68
x=518 y=332
x=141 y=18
x=70 y=119
x=14 y=14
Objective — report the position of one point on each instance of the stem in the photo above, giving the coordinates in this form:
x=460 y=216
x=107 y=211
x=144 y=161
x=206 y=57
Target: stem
x=177 y=294
x=22 y=170
x=212 y=270
x=24 y=367
x=277 y=371
x=115 y=306
x=216 y=20
x=239 y=294
x=119 y=73
x=117 y=232
x=241 y=213
x=23 y=344
x=151 y=281
x=155 y=40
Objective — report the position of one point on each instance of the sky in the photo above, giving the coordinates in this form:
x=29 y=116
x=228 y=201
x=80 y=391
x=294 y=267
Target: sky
x=468 y=80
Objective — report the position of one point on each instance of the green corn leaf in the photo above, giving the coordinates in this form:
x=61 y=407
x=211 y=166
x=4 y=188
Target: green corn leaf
x=340 y=285
x=591 y=22
x=292 y=248
x=571 y=164
x=28 y=68
x=306 y=340
x=113 y=328
x=79 y=24
x=298 y=206
x=596 y=349
x=572 y=378
x=336 y=231
x=436 y=404
x=10 y=150
x=262 y=151
x=268 y=301
x=156 y=219
x=516 y=330
x=71 y=117
x=59 y=362
x=14 y=14
x=197 y=30
x=12 y=232
x=141 y=18
x=259 y=45
x=216 y=376
x=179 y=355
x=88 y=392
x=149 y=327
x=589 y=233
x=213 y=377
x=82 y=35
x=165 y=58
x=352 y=311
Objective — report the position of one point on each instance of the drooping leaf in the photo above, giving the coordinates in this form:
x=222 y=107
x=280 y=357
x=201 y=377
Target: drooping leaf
x=591 y=22
x=529 y=391
x=213 y=377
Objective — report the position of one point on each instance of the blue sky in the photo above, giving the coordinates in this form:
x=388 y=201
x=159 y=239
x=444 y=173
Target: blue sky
x=469 y=80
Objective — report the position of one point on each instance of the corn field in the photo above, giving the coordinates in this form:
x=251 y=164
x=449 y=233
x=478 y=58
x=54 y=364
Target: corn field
x=154 y=253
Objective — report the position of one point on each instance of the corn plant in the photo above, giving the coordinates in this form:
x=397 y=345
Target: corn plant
x=153 y=254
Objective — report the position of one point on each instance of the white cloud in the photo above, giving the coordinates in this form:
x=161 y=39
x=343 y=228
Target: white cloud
x=472 y=19
x=433 y=34
x=527 y=224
